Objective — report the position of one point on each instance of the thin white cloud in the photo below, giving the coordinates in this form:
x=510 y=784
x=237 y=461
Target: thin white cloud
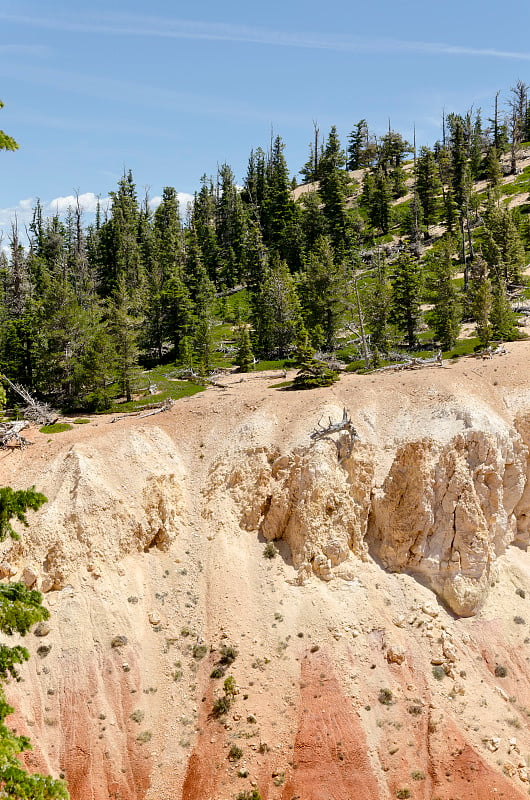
x=171 y=28
x=88 y=202
x=24 y=49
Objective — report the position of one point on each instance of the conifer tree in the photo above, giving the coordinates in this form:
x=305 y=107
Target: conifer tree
x=479 y=299
x=406 y=284
x=276 y=312
x=245 y=356
x=502 y=318
x=445 y=315
x=323 y=291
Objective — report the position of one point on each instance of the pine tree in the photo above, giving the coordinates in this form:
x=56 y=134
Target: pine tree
x=445 y=315
x=428 y=186
x=123 y=328
x=334 y=185
x=502 y=318
x=276 y=312
x=479 y=299
x=245 y=356
x=378 y=309
x=406 y=284
x=323 y=291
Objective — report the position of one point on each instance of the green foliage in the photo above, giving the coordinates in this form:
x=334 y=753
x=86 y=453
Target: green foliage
x=314 y=375
x=438 y=672
x=13 y=504
x=270 y=550
x=245 y=356
x=7 y=142
x=385 y=697
x=56 y=427
x=252 y=795
x=406 y=285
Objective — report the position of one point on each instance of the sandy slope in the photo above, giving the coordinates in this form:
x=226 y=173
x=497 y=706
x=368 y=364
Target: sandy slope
x=155 y=530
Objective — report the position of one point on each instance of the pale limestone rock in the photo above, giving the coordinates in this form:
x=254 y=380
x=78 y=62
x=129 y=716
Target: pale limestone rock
x=446 y=511
x=7 y=570
x=154 y=618
x=29 y=577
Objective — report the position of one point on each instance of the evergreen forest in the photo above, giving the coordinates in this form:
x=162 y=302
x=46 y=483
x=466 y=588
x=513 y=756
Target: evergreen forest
x=379 y=247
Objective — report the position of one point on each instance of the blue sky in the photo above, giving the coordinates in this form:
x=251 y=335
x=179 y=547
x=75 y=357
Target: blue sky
x=170 y=90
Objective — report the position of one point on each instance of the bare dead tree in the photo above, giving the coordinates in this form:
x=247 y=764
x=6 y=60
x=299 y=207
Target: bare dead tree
x=34 y=411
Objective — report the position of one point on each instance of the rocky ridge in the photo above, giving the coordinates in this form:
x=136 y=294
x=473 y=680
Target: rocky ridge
x=383 y=650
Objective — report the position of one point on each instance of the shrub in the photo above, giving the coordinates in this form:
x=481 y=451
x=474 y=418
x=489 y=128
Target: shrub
x=500 y=671
x=253 y=795
x=217 y=672
x=230 y=686
x=416 y=775
x=144 y=737
x=221 y=706
x=235 y=753
x=199 y=651
x=438 y=672
x=137 y=715
x=270 y=550
x=228 y=654
x=519 y=620
x=401 y=794
x=521 y=593
x=385 y=697
x=415 y=710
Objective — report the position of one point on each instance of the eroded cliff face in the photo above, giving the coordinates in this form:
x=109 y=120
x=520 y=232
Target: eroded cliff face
x=402 y=554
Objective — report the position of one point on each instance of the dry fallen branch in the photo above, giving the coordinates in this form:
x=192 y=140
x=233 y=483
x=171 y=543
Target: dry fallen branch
x=153 y=408
x=344 y=425
x=38 y=412
x=10 y=433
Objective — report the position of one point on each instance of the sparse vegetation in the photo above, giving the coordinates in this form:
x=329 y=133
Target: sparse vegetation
x=144 y=737
x=385 y=697
x=416 y=775
x=500 y=671
x=438 y=672
x=270 y=550
x=401 y=794
x=519 y=620
x=137 y=715
x=199 y=651
x=235 y=753
x=56 y=427
x=227 y=654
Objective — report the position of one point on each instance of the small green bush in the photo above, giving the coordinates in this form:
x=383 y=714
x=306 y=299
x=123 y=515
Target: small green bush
x=270 y=550
x=385 y=697
x=416 y=775
x=235 y=753
x=81 y=421
x=401 y=794
x=57 y=427
x=438 y=672
x=253 y=795
x=221 y=705
x=199 y=651
x=500 y=671
x=137 y=715
x=228 y=654
x=230 y=686
x=217 y=672
x=144 y=737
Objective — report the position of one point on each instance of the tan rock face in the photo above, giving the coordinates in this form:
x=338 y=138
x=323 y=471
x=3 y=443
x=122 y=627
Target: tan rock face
x=151 y=553
x=445 y=512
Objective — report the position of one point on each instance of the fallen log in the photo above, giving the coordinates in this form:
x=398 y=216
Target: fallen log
x=10 y=433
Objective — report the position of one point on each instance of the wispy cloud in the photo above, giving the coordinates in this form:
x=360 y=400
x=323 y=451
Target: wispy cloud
x=171 y=28
x=24 y=49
